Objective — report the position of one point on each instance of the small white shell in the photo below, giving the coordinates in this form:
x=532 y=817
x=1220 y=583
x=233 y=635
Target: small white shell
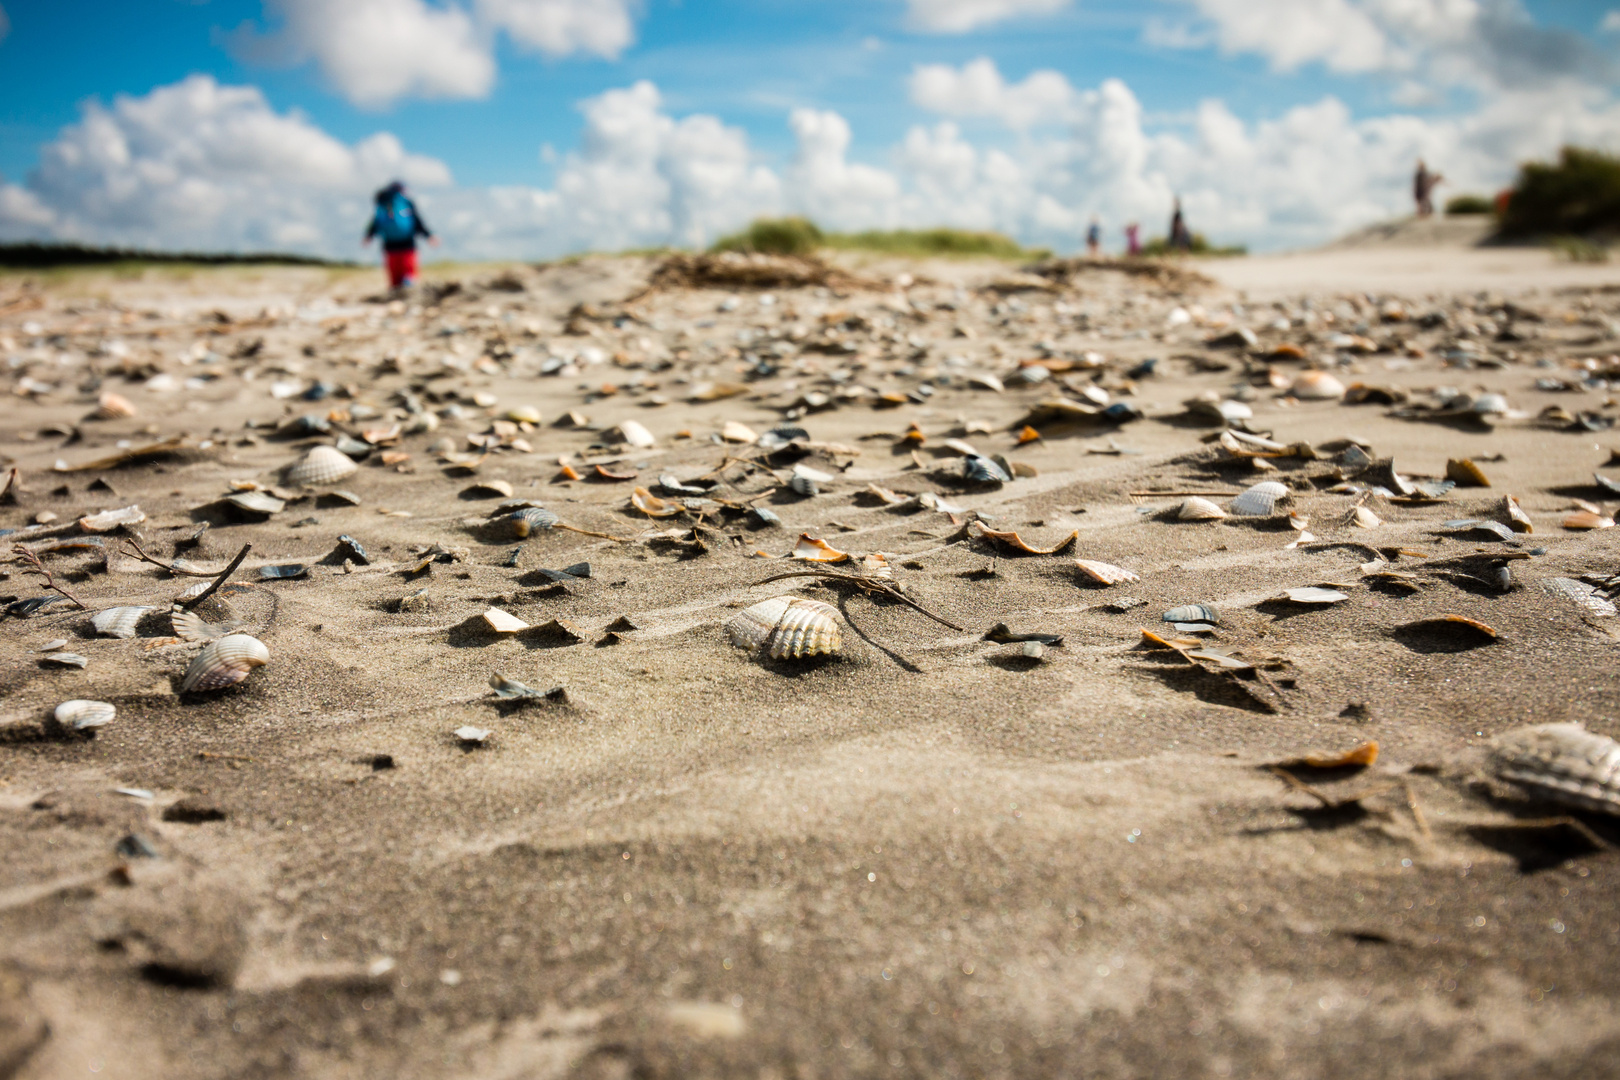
x=1200 y=509
x=474 y=736
x=1107 y=573
x=224 y=663
x=1316 y=386
x=787 y=626
x=108 y=520
x=1363 y=518
x=67 y=659
x=1562 y=763
x=256 y=502
x=1313 y=595
x=636 y=435
x=1258 y=500
x=321 y=465
x=118 y=622
x=82 y=715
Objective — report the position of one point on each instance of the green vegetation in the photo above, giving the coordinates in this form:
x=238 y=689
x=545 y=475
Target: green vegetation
x=1463 y=205
x=37 y=256
x=775 y=236
x=1578 y=249
x=1159 y=245
x=1579 y=195
x=799 y=236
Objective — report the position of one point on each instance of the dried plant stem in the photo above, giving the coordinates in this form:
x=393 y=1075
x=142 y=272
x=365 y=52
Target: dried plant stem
x=870 y=585
x=37 y=567
x=229 y=570
x=144 y=557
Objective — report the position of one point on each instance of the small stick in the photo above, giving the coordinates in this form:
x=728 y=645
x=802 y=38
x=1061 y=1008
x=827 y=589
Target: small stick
x=1417 y=811
x=229 y=570
x=37 y=567
x=144 y=557
x=587 y=532
x=871 y=584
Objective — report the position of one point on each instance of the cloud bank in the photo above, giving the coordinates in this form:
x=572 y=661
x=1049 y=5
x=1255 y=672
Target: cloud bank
x=202 y=166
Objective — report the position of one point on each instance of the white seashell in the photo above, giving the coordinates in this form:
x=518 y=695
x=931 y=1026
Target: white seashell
x=1259 y=500
x=1363 y=518
x=1581 y=593
x=83 y=715
x=787 y=626
x=111 y=519
x=113 y=407
x=118 y=622
x=320 y=466
x=225 y=662
x=504 y=622
x=189 y=626
x=733 y=432
x=636 y=435
x=67 y=659
x=472 y=735
x=1518 y=520
x=1316 y=386
x=53 y=645
x=1200 y=509
x=1313 y=595
x=1107 y=573
x=256 y=502
x=1562 y=763
x=1192 y=613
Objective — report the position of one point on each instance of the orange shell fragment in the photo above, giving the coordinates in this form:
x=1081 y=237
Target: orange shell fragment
x=811 y=549
x=1360 y=756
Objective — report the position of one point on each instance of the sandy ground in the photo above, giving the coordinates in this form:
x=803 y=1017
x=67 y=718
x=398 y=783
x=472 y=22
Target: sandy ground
x=931 y=856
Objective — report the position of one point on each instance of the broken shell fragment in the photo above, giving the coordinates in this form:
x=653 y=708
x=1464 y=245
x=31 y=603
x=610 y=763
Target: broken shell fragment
x=118 y=622
x=1466 y=473
x=1313 y=595
x=1106 y=573
x=733 y=432
x=787 y=627
x=520 y=524
x=811 y=549
x=652 y=505
x=808 y=481
x=81 y=715
x=1013 y=540
x=1192 y=613
x=1358 y=757
x=1363 y=518
x=321 y=465
x=1259 y=500
x=1562 y=763
x=1198 y=508
x=282 y=571
x=469 y=735
x=1586 y=519
x=1581 y=593
x=109 y=520
x=503 y=622
x=223 y=663
x=189 y=626
x=66 y=659
x=1518 y=520
x=484 y=489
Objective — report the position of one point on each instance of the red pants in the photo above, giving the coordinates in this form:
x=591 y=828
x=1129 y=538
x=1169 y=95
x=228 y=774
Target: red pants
x=401 y=267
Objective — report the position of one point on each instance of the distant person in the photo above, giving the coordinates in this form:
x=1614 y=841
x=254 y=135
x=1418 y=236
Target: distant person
x=1094 y=238
x=399 y=223
x=1133 y=241
x=1423 y=184
x=1180 y=237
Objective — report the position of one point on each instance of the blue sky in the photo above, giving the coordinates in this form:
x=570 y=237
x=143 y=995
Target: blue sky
x=1139 y=101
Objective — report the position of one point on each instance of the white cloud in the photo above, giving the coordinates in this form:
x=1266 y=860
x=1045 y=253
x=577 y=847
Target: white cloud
x=197 y=165
x=977 y=89
x=1611 y=21
x=1484 y=44
x=561 y=27
x=960 y=16
x=375 y=52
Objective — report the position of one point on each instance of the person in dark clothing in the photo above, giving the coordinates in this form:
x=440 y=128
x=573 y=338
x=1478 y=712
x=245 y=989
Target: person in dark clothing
x=1423 y=184
x=397 y=221
x=1180 y=237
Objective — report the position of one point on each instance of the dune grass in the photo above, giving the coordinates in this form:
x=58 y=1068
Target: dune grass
x=800 y=236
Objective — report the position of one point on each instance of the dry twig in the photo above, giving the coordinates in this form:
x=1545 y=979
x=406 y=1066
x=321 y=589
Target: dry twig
x=229 y=570
x=887 y=588
x=34 y=566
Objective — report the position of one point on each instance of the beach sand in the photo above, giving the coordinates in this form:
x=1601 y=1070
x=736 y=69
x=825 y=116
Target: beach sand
x=931 y=856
